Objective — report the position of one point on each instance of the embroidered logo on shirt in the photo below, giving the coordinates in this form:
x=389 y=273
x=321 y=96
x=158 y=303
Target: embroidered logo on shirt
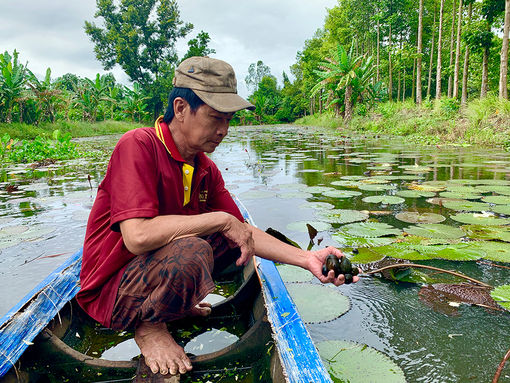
x=202 y=197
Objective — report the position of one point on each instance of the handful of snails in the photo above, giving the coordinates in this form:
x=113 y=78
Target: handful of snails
x=340 y=266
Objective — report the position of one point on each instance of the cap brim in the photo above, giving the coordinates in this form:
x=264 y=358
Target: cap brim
x=224 y=102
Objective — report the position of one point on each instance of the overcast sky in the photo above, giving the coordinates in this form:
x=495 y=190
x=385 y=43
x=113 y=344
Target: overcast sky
x=49 y=33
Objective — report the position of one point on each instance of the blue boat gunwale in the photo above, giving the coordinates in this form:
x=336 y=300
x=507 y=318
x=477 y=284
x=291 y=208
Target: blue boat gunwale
x=298 y=355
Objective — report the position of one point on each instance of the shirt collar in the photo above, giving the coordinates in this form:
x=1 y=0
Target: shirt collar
x=163 y=133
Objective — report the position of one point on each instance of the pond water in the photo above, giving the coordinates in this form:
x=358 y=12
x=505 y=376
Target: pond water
x=287 y=177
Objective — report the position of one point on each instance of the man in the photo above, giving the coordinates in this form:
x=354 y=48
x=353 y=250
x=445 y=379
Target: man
x=163 y=221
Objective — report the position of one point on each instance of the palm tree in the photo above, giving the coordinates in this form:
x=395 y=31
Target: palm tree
x=337 y=74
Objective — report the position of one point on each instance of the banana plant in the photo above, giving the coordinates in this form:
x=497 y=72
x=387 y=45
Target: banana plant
x=134 y=104
x=47 y=96
x=13 y=80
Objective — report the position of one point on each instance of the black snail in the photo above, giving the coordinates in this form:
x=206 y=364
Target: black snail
x=340 y=266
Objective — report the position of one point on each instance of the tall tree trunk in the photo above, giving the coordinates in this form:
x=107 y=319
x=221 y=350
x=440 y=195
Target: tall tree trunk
x=348 y=105
x=429 y=81
x=390 y=75
x=452 y=34
x=399 y=80
x=404 y=85
x=466 y=62
x=413 y=81
x=485 y=73
x=457 y=54
x=439 y=52
x=503 y=68
x=419 y=51
x=378 y=44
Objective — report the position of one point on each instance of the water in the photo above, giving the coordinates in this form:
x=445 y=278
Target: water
x=270 y=168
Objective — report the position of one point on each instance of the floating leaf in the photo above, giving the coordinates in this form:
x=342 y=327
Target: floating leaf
x=318 y=303
x=357 y=363
x=367 y=255
x=424 y=187
x=466 y=205
x=501 y=209
x=376 y=187
x=435 y=230
x=342 y=216
x=346 y=183
x=295 y=194
x=494 y=251
x=415 y=217
x=317 y=205
x=368 y=229
x=210 y=341
x=318 y=189
x=459 y=196
x=505 y=190
x=348 y=241
x=478 y=232
x=497 y=199
x=301 y=226
x=414 y=194
x=416 y=168
x=341 y=193
x=384 y=199
x=257 y=194
x=501 y=295
x=290 y=273
x=480 y=219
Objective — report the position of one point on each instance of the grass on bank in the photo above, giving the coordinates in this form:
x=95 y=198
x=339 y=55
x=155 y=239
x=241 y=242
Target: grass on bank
x=76 y=129
x=481 y=122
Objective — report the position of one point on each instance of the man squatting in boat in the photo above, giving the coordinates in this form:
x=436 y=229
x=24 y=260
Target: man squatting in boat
x=162 y=221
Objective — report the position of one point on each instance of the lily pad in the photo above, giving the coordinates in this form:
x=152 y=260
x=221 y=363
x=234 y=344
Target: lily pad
x=461 y=196
x=318 y=303
x=318 y=189
x=300 y=226
x=501 y=209
x=348 y=241
x=478 y=232
x=317 y=205
x=256 y=194
x=501 y=295
x=357 y=363
x=295 y=194
x=497 y=199
x=494 y=251
x=415 y=194
x=346 y=183
x=505 y=190
x=368 y=229
x=480 y=219
x=376 y=187
x=341 y=193
x=384 y=199
x=290 y=273
x=367 y=255
x=342 y=215
x=466 y=205
x=435 y=230
x=425 y=187
x=415 y=217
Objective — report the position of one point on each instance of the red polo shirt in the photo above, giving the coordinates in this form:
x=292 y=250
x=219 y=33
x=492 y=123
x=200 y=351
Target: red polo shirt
x=144 y=179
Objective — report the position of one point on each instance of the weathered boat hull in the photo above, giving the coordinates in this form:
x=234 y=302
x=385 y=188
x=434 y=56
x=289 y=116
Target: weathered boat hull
x=275 y=331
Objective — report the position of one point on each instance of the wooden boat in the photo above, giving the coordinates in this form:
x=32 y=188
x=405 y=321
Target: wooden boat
x=38 y=336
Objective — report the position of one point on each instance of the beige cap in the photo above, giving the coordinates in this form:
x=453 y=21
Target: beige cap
x=213 y=81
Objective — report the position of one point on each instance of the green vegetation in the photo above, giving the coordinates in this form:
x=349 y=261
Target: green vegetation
x=378 y=67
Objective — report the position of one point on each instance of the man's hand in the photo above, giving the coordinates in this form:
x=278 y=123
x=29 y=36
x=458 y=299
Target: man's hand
x=316 y=260
x=240 y=234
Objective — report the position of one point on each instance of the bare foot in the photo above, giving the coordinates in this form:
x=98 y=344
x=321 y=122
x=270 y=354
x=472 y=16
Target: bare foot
x=203 y=309
x=162 y=354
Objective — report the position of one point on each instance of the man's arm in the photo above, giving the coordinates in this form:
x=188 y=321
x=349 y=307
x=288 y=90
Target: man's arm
x=141 y=235
x=268 y=247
